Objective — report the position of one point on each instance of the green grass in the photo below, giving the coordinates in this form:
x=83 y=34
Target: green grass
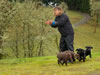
x=47 y=65
x=74 y=16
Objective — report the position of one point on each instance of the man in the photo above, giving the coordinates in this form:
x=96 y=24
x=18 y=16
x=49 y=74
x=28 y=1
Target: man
x=64 y=27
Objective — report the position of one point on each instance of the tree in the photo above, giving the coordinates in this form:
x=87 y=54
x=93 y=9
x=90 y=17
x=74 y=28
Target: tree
x=7 y=12
x=95 y=8
x=26 y=29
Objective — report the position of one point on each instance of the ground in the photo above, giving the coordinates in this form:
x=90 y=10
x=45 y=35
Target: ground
x=47 y=65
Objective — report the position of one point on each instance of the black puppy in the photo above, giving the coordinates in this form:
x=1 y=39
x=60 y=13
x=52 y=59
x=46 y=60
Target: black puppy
x=88 y=51
x=82 y=54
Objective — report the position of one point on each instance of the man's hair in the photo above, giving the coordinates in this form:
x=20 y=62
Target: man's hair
x=58 y=8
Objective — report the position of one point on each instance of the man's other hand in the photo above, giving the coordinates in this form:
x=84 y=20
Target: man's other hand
x=49 y=22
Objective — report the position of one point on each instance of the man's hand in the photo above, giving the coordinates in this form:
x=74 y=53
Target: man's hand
x=49 y=22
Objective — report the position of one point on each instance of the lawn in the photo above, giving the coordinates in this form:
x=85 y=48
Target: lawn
x=47 y=65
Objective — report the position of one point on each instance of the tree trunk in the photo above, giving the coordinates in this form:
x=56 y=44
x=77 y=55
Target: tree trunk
x=56 y=41
x=29 y=50
x=32 y=47
x=95 y=25
x=40 y=49
x=25 y=54
x=97 y=19
x=1 y=41
x=16 y=44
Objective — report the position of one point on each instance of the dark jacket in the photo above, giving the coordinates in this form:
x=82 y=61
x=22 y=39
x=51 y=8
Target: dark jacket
x=64 y=25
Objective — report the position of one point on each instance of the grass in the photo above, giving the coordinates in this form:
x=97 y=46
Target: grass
x=47 y=65
x=74 y=16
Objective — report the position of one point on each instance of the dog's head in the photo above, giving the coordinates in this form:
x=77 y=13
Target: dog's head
x=80 y=50
x=89 y=47
x=77 y=56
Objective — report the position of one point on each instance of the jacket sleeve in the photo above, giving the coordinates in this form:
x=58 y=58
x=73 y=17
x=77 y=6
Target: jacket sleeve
x=54 y=24
x=60 y=22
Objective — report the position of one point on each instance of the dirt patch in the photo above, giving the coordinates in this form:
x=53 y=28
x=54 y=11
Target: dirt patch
x=97 y=59
x=86 y=18
x=81 y=69
x=96 y=72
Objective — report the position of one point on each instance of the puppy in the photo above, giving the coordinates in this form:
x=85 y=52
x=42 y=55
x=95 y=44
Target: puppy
x=77 y=56
x=72 y=54
x=88 y=51
x=82 y=54
x=63 y=57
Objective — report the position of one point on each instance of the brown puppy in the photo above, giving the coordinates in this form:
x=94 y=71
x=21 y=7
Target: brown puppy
x=77 y=56
x=72 y=54
x=63 y=57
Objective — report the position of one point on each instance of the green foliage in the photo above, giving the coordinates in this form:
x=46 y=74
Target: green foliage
x=85 y=6
x=95 y=8
x=27 y=35
x=27 y=29
x=80 y=5
x=7 y=11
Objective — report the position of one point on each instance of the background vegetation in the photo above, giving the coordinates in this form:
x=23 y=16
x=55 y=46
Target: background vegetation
x=23 y=32
x=24 y=35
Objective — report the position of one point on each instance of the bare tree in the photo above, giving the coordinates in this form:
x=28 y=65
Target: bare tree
x=56 y=42
x=40 y=53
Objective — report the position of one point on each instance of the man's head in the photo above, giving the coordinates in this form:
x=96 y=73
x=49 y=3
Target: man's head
x=58 y=11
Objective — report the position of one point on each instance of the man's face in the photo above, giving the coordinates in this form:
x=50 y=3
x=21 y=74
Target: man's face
x=57 y=12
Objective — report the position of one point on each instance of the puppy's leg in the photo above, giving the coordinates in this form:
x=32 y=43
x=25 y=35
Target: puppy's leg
x=84 y=58
x=66 y=62
x=90 y=55
x=62 y=62
x=80 y=58
x=74 y=59
x=71 y=58
x=59 y=61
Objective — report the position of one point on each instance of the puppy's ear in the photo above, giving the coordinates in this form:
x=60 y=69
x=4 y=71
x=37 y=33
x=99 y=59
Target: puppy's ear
x=86 y=46
x=91 y=47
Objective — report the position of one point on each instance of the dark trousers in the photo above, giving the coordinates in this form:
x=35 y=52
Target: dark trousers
x=66 y=43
